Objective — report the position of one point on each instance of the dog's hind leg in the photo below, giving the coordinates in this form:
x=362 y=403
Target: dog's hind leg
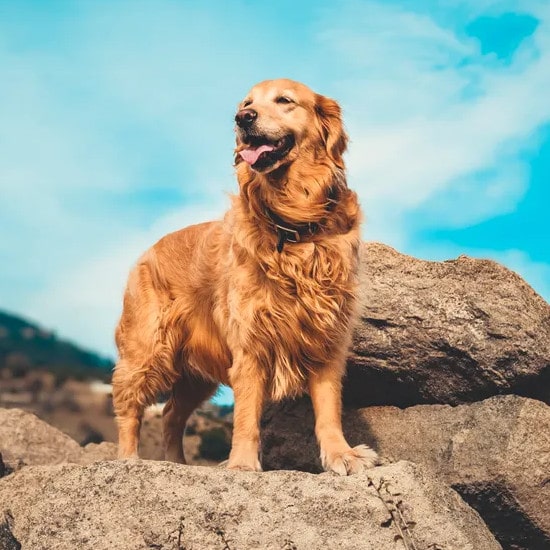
x=147 y=338
x=187 y=394
x=128 y=409
x=134 y=388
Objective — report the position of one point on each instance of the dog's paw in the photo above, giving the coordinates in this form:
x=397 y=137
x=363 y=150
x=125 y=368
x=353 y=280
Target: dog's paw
x=350 y=462
x=243 y=464
x=248 y=467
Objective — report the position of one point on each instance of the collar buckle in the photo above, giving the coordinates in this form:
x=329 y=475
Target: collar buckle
x=291 y=235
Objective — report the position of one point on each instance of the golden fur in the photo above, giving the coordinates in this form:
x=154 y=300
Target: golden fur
x=216 y=303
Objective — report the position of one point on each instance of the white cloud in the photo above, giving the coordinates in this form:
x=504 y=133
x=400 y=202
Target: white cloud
x=428 y=114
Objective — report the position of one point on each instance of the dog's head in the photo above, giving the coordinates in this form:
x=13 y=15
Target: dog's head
x=280 y=120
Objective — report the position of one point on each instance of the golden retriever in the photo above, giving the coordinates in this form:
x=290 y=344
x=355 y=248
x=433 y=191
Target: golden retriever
x=263 y=301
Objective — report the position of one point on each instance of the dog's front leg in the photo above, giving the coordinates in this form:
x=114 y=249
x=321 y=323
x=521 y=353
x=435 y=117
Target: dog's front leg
x=325 y=388
x=248 y=385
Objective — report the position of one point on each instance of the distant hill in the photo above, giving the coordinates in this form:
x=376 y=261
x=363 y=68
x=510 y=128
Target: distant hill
x=24 y=346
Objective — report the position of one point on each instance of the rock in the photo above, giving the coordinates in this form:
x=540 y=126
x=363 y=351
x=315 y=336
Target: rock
x=445 y=332
x=94 y=452
x=26 y=440
x=495 y=453
x=145 y=504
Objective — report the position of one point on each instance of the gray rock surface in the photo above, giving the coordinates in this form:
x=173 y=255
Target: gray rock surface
x=495 y=453
x=446 y=332
x=25 y=440
x=144 y=504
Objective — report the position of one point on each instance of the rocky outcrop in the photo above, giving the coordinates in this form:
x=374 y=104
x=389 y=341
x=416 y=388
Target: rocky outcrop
x=445 y=332
x=46 y=504
x=143 y=505
x=430 y=333
x=495 y=453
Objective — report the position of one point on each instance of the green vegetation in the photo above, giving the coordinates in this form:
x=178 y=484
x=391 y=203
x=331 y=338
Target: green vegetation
x=25 y=346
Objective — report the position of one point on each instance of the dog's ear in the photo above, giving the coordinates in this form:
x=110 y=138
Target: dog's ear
x=335 y=138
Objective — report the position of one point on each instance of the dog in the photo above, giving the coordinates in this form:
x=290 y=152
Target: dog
x=263 y=301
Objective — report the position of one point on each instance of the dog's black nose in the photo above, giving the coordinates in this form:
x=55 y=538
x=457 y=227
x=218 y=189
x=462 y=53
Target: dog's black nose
x=245 y=117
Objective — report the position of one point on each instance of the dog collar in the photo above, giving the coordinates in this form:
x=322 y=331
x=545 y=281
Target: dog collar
x=291 y=232
x=298 y=232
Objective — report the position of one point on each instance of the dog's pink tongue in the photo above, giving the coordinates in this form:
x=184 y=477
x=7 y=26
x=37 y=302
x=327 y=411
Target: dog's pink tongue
x=251 y=155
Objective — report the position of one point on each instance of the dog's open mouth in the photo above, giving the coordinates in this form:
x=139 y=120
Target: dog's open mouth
x=261 y=152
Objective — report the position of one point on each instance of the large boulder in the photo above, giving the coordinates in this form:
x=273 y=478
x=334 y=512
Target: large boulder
x=495 y=453
x=145 y=504
x=445 y=332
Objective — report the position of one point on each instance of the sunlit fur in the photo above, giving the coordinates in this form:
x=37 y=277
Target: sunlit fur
x=216 y=303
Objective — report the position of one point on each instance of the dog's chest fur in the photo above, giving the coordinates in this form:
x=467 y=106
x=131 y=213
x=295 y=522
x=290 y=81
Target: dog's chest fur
x=292 y=311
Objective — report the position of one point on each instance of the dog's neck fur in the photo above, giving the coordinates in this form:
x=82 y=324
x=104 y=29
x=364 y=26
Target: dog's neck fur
x=308 y=191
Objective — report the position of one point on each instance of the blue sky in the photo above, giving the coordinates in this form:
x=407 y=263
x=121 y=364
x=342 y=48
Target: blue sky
x=116 y=127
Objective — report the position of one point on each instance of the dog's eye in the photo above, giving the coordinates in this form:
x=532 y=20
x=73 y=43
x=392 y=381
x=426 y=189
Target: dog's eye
x=284 y=100
x=246 y=103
